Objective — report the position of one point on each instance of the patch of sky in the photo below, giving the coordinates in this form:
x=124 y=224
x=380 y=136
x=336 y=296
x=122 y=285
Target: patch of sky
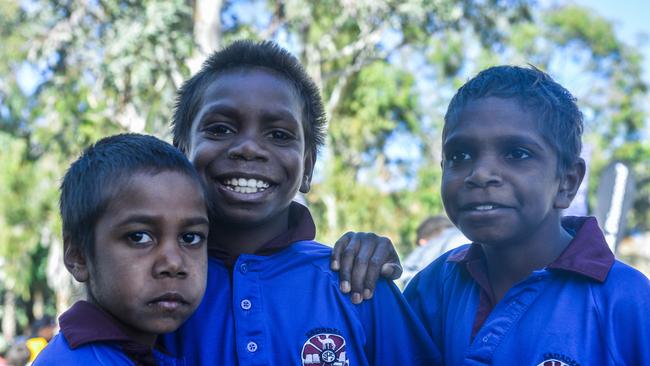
x=30 y=7
x=248 y=12
x=399 y=170
x=28 y=77
x=4 y=111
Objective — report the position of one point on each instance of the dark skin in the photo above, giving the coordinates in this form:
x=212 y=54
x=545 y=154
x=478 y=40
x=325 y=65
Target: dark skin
x=257 y=137
x=360 y=258
x=502 y=187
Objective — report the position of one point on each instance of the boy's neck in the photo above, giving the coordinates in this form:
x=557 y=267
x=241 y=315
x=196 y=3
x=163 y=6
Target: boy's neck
x=238 y=239
x=509 y=264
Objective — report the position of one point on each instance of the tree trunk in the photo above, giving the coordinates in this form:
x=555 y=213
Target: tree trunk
x=207 y=31
x=9 y=316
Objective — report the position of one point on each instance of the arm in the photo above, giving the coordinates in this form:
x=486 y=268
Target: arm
x=394 y=335
x=360 y=258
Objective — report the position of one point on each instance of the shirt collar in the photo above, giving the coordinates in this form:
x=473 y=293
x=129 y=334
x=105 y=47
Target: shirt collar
x=86 y=323
x=587 y=254
x=301 y=227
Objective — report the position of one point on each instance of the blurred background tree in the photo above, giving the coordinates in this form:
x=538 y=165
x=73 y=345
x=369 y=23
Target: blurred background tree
x=74 y=71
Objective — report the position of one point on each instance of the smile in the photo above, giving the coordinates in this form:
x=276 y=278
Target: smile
x=482 y=207
x=247 y=186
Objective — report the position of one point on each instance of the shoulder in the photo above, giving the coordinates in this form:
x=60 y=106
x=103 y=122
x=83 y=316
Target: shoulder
x=308 y=253
x=624 y=287
x=58 y=351
x=621 y=304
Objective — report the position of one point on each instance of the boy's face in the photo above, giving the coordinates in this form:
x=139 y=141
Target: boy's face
x=248 y=144
x=150 y=255
x=499 y=183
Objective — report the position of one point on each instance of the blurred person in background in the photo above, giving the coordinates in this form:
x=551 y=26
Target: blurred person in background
x=434 y=236
x=42 y=331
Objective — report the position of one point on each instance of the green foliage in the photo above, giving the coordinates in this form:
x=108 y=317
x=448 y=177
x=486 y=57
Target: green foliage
x=28 y=203
x=577 y=24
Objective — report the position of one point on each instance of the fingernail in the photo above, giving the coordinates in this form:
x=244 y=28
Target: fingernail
x=335 y=265
x=356 y=298
x=367 y=294
x=345 y=287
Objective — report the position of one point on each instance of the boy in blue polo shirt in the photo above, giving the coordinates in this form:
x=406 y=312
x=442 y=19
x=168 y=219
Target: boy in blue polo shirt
x=533 y=288
x=135 y=228
x=251 y=121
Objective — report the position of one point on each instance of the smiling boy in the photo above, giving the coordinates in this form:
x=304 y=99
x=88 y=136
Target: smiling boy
x=251 y=121
x=135 y=227
x=533 y=288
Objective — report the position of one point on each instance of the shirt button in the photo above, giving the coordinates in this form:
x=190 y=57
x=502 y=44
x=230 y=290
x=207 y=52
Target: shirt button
x=251 y=347
x=485 y=339
x=243 y=268
x=245 y=304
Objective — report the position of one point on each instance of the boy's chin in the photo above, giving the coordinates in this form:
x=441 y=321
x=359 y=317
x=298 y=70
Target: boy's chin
x=246 y=216
x=167 y=325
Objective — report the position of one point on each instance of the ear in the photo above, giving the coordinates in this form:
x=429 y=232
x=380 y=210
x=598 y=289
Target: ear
x=310 y=161
x=74 y=260
x=570 y=181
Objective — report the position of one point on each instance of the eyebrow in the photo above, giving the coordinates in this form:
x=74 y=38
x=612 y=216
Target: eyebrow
x=229 y=110
x=220 y=109
x=150 y=220
x=502 y=140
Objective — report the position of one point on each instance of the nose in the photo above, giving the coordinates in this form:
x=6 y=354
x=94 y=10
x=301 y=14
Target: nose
x=170 y=262
x=484 y=173
x=247 y=147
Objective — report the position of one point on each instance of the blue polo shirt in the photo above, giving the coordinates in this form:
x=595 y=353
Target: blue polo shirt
x=585 y=308
x=89 y=336
x=285 y=308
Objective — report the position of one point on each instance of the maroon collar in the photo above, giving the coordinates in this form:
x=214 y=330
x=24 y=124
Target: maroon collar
x=301 y=227
x=587 y=254
x=86 y=323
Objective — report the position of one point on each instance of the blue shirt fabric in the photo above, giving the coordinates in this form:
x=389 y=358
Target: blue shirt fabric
x=583 y=309
x=90 y=336
x=59 y=352
x=286 y=309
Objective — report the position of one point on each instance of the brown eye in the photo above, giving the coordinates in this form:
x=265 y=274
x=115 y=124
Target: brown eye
x=280 y=135
x=192 y=238
x=218 y=130
x=139 y=237
x=518 y=154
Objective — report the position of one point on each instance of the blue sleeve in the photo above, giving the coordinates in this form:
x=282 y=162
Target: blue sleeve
x=395 y=335
x=423 y=295
x=58 y=352
x=625 y=314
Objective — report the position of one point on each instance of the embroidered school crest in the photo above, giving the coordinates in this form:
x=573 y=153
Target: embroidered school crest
x=557 y=359
x=553 y=362
x=324 y=349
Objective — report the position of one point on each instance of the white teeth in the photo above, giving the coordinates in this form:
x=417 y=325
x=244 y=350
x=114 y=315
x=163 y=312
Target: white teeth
x=484 y=207
x=243 y=185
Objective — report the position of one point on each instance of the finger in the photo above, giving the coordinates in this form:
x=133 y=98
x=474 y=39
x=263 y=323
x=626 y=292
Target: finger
x=391 y=271
x=347 y=261
x=378 y=259
x=367 y=247
x=391 y=268
x=339 y=247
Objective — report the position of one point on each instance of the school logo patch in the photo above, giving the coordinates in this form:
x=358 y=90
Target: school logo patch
x=553 y=362
x=556 y=359
x=324 y=349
